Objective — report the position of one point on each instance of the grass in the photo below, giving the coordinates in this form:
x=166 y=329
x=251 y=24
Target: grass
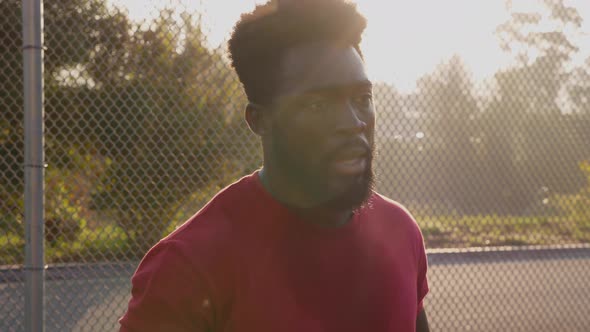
x=12 y=248
x=110 y=242
x=107 y=243
x=493 y=230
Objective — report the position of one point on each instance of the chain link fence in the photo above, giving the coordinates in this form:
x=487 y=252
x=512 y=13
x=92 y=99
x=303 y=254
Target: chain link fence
x=144 y=124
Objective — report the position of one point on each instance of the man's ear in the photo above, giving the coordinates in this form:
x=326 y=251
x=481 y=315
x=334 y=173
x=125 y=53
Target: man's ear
x=258 y=119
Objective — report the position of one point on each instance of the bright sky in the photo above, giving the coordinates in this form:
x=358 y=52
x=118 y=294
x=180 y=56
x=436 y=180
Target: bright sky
x=404 y=39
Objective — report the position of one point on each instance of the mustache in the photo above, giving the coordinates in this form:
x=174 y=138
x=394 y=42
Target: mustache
x=358 y=145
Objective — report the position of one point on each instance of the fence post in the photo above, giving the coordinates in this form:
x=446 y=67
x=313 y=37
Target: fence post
x=34 y=163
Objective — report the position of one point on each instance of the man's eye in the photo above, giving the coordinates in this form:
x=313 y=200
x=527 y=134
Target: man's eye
x=364 y=100
x=316 y=105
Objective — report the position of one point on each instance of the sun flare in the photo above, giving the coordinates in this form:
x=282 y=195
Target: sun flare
x=404 y=40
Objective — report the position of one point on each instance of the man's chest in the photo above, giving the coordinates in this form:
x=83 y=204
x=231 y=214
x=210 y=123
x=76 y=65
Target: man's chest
x=359 y=285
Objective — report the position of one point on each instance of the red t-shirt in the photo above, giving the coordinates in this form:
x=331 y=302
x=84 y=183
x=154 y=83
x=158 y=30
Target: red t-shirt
x=246 y=263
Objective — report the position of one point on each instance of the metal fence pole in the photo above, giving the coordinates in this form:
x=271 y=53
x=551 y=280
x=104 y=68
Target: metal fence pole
x=34 y=163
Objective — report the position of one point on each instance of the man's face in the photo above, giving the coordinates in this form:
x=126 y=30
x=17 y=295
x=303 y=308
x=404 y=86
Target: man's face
x=323 y=124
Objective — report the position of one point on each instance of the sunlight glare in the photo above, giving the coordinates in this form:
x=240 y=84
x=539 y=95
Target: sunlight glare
x=404 y=40
x=407 y=39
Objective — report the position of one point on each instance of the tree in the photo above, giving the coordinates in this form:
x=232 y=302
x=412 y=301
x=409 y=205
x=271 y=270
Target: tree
x=11 y=104
x=525 y=140
x=150 y=107
x=73 y=30
x=449 y=115
x=176 y=130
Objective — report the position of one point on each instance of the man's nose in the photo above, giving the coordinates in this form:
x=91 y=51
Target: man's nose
x=349 y=119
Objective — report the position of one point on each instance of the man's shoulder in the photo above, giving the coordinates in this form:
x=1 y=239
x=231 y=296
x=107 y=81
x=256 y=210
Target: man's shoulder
x=202 y=248
x=213 y=225
x=385 y=204
x=394 y=221
x=391 y=211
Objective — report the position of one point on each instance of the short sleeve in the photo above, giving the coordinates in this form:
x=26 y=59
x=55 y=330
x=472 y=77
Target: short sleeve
x=167 y=294
x=422 y=281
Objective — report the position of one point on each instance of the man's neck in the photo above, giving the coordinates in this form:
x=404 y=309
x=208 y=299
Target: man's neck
x=318 y=214
x=325 y=217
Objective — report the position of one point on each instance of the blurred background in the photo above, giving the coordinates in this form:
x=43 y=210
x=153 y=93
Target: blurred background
x=483 y=133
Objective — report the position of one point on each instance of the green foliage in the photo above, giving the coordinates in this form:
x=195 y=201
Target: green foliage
x=143 y=126
x=525 y=146
x=106 y=242
x=449 y=125
x=138 y=118
x=12 y=243
x=12 y=249
x=570 y=224
x=577 y=205
x=494 y=230
x=103 y=243
x=187 y=207
x=74 y=31
x=11 y=101
x=67 y=201
x=501 y=153
x=175 y=137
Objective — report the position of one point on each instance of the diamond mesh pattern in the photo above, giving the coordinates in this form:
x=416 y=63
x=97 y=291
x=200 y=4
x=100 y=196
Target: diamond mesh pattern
x=143 y=125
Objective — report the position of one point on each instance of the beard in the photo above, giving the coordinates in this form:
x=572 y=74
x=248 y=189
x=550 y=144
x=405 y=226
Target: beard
x=357 y=194
x=314 y=177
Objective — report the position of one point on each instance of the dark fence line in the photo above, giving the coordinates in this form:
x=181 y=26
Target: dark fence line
x=435 y=257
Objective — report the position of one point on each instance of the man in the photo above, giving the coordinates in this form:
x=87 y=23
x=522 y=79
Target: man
x=304 y=244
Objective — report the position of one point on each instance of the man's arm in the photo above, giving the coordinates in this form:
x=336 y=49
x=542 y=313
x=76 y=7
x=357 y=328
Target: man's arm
x=422 y=322
x=166 y=294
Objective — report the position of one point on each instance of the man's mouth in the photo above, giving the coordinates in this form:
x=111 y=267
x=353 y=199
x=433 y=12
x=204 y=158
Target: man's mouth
x=350 y=166
x=351 y=161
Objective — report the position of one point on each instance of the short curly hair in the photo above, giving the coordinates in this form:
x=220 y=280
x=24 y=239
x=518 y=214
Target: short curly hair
x=261 y=37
